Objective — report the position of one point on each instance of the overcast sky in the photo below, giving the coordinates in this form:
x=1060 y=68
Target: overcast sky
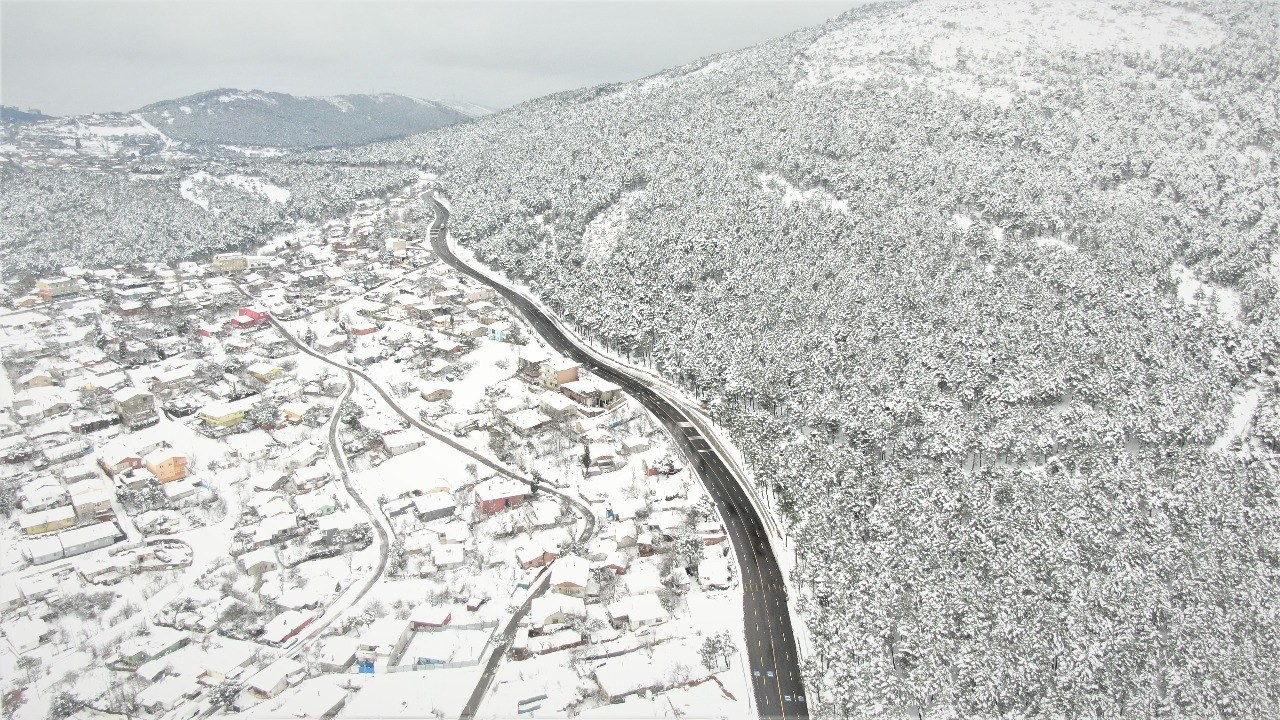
x=79 y=57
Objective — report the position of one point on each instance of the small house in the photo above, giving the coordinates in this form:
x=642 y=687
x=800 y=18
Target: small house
x=553 y=608
x=430 y=616
x=277 y=677
x=337 y=653
x=435 y=392
x=497 y=494
x=166 y=464
x=570 y=575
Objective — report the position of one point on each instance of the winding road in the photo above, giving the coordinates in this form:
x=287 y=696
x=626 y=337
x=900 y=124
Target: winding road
x=588 y=530
x=774 y=663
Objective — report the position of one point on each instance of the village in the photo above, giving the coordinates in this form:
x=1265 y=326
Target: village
x=334 y=477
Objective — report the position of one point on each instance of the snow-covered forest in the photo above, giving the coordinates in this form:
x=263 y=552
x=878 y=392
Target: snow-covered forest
x=989 y=298
x=268 y=119
x=54 y=217
x=978 y=313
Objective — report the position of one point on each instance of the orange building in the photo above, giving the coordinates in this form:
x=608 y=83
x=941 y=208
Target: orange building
x=166 y=464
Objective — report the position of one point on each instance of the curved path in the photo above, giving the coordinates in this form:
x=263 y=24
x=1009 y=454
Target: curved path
x=342 y=603
x=774 y=663
x=499 y=651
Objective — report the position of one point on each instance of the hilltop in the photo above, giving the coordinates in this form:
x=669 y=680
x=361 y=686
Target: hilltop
x=278 y=120
x=118 y=187
x=10 y=114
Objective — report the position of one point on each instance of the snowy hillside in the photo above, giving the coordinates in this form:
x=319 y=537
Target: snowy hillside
x=984 y=292
x=266 y=119
x=60 y=216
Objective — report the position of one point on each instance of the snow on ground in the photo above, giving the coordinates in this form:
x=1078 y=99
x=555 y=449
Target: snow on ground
x=274 y=193
x=250 y=95
x=117 y=130
x=466 y=108
x=410 y=471
x=786 y=556
x=1195 y=292
x=601 y=234
x=1055 y=242
x=190 y=188
x=960 y=36
x=187 y=189
x=430 y=693
x=948 y=32
x=1246 y=404
x=792 y=194
x=486 y=568
x=338 y=102
x=255 y=151
x=152 y=129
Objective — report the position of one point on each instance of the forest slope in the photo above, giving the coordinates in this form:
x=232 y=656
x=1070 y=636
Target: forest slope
x=59 y=216
x=268 y=119
x=975 y=286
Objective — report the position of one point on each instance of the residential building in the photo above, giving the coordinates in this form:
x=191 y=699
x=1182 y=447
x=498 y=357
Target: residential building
x=434 y=506
x=570 y=575
x=43 y=521
x=362 y=327
x=552 y=608
x=50 y=288
x=43 y=493
x=90 y=499
x=638 y=611
x=337 y=652
x=35 y=379
x=527 y=422
x=430 y=616
x=537 y=556
x=265 y=371
x=284 y=627
x=554 y=373
x=281 y=674
x=497 y=494
x=256 y=313
x=136 y=407
x=229 y=262
x=434 y=392
x=90 y=537
x=226 y=413
x=166 y=464
x=385 y=637
x=402 y=441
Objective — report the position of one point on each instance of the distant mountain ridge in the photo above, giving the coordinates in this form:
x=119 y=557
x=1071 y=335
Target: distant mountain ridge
x=257 y=118
x=11 y=114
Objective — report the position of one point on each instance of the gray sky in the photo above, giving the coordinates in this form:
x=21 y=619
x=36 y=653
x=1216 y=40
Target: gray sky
x=97 y=56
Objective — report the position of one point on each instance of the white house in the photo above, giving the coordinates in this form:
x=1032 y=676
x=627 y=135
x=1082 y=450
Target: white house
x=554 y=608
x=383 y=638
x=570 y=575
x=276 y=677
x=638 y=611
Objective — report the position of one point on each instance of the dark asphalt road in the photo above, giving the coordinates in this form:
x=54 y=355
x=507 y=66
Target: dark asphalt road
x=774 y=664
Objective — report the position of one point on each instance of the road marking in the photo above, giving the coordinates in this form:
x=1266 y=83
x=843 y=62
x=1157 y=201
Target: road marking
x=725 y=487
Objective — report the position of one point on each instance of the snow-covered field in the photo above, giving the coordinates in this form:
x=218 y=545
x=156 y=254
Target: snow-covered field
x=792 y=194
x=967 y=31
x=191 y=188
x=602 y=233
